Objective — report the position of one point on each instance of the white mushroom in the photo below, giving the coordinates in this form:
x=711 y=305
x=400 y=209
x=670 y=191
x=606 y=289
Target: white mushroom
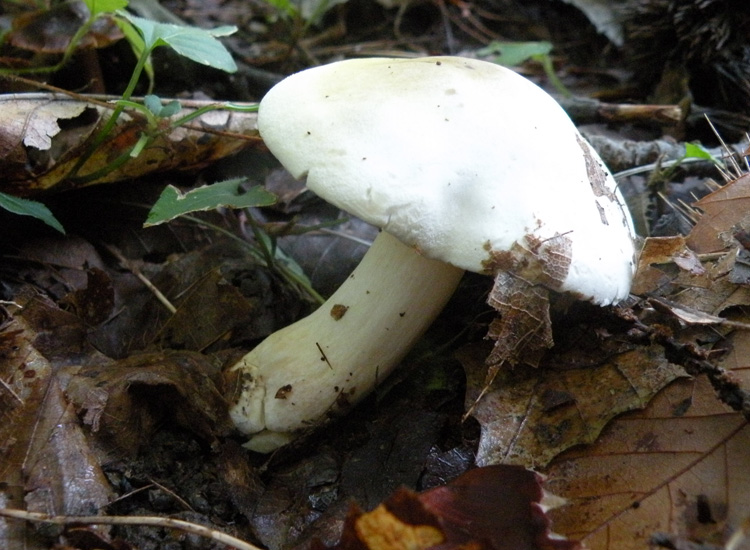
x=465 y=165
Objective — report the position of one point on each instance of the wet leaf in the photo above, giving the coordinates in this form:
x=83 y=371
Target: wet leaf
x=46 y=464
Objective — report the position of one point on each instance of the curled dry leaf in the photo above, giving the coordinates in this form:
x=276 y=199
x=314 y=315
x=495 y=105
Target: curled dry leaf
x=122 y=402
x=42 y=137
x=677 y=470
x=493 y=508
x=523 y=328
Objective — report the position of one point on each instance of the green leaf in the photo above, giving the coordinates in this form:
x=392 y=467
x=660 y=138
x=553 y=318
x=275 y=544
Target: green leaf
x=173 y=202
x=152 y=103
x=25 y=207
x=694 y=150
x=170 y=109
x=199 y=45
x=98 y=7
x=511 y=54
x=285 y=7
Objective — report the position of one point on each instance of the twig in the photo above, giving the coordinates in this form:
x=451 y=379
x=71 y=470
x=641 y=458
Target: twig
x=693 y=360
x=584 y=109
x=127 y=264
x=152 y=521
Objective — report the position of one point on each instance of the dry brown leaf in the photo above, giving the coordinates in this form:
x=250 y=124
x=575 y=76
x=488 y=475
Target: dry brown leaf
x=38 y=152
x=662 y=252
x=725 y=211
x=679 y=467
x=522 y=331
x=532 y=415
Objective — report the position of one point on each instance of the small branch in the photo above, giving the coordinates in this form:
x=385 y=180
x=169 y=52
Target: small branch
x=151 y=521
x=127 y=264
x=693 y=360
x=623 y=154
x=583 y=109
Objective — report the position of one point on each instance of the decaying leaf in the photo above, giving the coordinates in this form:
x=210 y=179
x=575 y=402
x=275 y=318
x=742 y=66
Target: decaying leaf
x=522 y=328
x=531 y=415
x=46 y=464
x=42 y=137
x=493 y=508
x=209 y=310
x=50 y=30
x=122 y=402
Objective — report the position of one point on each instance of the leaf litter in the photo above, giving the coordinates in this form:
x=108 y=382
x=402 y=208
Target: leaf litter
x=670 y=470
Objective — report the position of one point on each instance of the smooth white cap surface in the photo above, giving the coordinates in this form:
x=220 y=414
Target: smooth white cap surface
x=464 y=160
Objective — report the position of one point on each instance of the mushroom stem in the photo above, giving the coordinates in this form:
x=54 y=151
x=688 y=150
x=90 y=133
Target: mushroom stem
x=326 y=362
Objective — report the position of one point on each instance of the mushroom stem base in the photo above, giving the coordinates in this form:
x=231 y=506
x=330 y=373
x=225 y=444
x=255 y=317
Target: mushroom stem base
x=323 y=364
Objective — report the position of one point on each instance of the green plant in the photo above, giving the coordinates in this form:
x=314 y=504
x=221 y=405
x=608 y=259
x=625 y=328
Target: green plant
x=511 y=54
x=310 y=12
x=198 y=45
x=144 y=36
x=26 y=207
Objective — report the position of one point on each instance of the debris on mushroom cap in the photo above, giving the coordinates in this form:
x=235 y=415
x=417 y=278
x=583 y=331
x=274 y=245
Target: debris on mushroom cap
x=464 y=160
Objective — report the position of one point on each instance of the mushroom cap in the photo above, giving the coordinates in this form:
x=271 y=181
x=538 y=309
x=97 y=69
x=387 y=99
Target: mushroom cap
x=465 y=160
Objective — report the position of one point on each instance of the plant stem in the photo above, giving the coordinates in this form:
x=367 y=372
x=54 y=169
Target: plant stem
x=108 y=126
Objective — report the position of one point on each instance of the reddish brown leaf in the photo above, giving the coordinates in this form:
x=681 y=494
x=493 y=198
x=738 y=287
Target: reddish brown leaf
x=493 y=508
